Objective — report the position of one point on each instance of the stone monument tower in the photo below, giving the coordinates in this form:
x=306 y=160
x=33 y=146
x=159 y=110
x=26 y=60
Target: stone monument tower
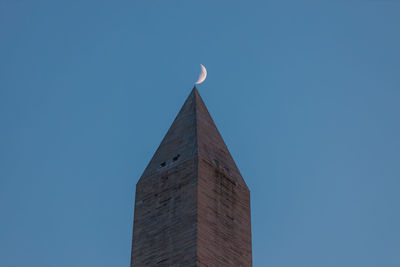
x=192 y=206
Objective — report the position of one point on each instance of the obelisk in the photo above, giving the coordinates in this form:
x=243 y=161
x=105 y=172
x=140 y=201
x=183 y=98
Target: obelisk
x=192 y=206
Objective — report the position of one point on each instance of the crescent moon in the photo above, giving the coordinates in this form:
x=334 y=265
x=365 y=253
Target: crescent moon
x=202 y=75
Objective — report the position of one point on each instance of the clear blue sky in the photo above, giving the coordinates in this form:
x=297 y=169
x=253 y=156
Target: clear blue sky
x=305 y=93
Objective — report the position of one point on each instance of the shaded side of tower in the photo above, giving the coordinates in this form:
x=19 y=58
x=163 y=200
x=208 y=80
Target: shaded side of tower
x=192 y=206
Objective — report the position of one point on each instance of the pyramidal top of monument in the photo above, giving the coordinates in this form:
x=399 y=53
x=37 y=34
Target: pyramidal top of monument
x=193 y=135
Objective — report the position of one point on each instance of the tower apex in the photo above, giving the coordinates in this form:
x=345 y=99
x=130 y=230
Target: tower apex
x=192 y=206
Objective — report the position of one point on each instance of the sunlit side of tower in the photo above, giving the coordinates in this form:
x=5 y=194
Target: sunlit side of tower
x=192 y=206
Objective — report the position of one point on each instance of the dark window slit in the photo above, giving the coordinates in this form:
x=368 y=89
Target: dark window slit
x=176 y=157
